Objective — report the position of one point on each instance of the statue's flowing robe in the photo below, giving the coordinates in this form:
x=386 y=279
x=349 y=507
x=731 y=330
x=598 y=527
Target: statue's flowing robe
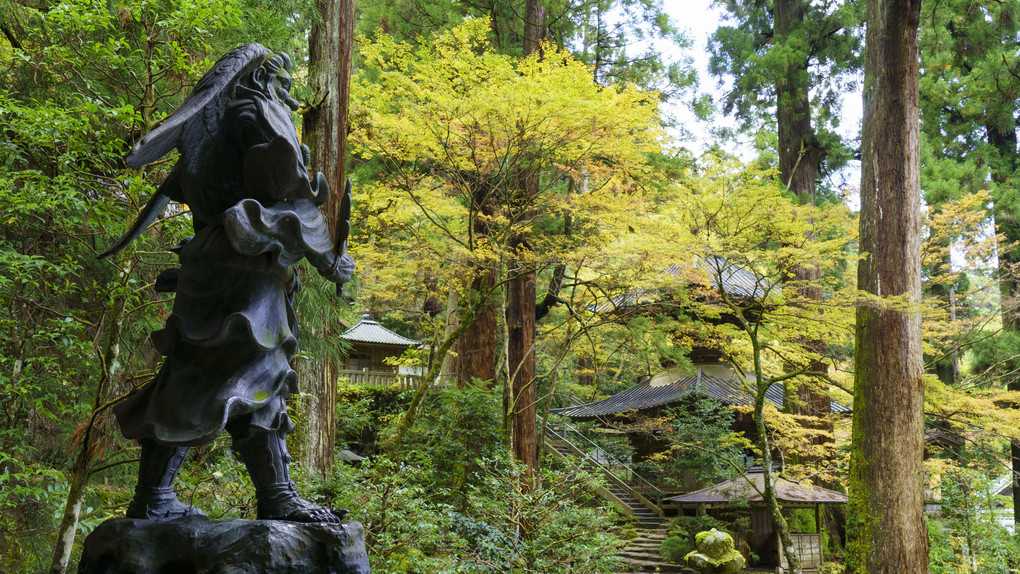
x=233 y=332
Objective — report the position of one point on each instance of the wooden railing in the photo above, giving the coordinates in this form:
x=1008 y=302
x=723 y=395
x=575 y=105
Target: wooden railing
x=389 y=378
x=380 y=378
x=617 y=472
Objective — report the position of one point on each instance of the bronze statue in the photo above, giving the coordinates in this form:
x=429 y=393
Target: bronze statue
x=229 y=342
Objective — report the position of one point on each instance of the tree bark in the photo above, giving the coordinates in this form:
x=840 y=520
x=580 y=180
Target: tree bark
x=324 y=129
x=521 y=308
x=799 y=156
x=799 y=163
x=534 y=26
x=476 y=348
x=520 y=320
x=886 y=527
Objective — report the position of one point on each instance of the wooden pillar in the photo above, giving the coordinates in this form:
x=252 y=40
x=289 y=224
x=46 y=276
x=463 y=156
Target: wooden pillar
x=818 y=529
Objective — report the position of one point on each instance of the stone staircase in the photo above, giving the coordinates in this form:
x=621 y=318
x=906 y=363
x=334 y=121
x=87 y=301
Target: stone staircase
x=642 y=553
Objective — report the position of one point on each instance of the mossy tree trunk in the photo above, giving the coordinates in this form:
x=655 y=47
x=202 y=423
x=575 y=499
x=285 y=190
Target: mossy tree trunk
x=325 y=132
x=768 y=476
x=886 y=527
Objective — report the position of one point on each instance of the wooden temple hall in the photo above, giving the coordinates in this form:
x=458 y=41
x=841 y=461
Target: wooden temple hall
x=651 y=396
x=763 y=538
x=373 y=350
x=716 y=381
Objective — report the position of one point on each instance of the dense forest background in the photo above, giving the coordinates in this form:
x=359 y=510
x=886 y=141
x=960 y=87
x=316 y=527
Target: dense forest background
x=520 y=194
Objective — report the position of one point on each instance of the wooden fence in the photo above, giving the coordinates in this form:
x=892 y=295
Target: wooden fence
x=389 y=378
x=809 y=548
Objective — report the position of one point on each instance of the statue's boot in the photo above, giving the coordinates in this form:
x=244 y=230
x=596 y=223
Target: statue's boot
x=155 y=498
x=265 y=455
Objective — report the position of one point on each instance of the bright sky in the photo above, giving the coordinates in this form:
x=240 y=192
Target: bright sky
x=701 y=19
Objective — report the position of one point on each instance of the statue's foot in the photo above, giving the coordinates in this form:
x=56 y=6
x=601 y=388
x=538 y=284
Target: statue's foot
x=159 y=505
x=287 y=505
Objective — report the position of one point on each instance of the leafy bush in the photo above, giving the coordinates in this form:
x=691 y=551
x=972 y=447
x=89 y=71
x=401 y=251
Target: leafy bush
x=455 y=501
x=555 y=524
x=674 y=548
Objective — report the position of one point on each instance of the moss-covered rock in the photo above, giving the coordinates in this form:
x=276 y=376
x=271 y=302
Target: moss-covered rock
x=715 y=554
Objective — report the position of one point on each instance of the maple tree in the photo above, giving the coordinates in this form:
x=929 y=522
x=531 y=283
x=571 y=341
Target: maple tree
x=734 y=233
x=450 y=124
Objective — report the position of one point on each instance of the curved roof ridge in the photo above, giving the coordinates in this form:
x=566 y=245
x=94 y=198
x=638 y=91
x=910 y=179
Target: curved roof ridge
x=369 y=331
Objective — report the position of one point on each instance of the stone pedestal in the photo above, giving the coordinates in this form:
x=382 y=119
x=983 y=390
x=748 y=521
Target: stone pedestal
x=196 y=544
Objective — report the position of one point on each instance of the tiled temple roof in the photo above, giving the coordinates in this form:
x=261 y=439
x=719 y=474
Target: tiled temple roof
x=368 y=331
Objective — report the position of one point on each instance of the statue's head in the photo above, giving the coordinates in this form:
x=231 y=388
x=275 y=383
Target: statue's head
x=273 y=79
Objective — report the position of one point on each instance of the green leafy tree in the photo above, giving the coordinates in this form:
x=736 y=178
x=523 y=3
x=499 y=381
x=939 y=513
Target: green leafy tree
x=733 y=224
x=452 y=121
x=622 y=40
x=967 y=536
x=81 y=81
x=790 y=61
x=970 y=86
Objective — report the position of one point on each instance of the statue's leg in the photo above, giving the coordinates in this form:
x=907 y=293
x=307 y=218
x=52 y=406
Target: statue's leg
x=154 y=495
x=264 y=453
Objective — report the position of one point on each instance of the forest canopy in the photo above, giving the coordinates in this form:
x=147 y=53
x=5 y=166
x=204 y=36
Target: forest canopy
x=526 y=205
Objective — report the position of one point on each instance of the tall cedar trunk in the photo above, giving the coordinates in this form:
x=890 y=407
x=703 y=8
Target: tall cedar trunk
x=475 y=356
x=1002 y=137
x=520 y=308
x=476 y=349
x=534 y=26
x=886 y=528
x=325 y=131
x=799 y=157
x=799 y=162
x=520 y=322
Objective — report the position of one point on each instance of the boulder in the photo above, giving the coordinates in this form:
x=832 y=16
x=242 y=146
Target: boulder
x=715 y=554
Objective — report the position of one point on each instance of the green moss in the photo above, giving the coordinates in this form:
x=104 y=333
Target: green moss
x=860 y=521
x=715 y=554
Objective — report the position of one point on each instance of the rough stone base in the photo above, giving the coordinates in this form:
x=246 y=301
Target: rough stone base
x=195 y=544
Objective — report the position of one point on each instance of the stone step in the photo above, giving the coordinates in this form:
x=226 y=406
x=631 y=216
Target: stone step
x=640 y=554
x=645 y=545
x=651 y=542
x=653 y=566
x=647 y=538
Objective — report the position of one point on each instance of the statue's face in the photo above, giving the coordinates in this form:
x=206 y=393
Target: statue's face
x=274 y=81
x=280 y=87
